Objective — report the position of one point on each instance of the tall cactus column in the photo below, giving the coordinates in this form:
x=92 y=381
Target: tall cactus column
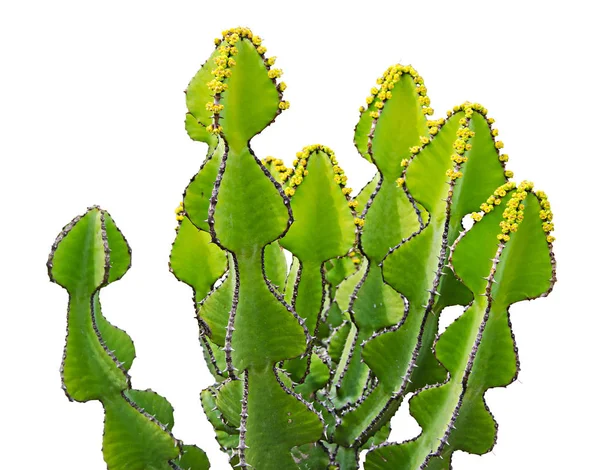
x=248 y=211
x=89 y=254
x=390 y=130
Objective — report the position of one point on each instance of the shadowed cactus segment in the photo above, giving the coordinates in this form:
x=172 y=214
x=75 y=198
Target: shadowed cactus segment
x=318 y=311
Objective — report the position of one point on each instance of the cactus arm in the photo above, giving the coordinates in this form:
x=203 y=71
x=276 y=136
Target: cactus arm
x=78 y=262
x=192 y=247
x=251 y=100
x=323 y=229
x=88 y=254
x=478 y=349
x=226 y=435
x=247 y=212
x=397 y=116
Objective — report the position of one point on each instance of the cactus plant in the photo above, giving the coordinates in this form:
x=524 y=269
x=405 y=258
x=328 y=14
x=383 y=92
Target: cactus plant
x=313 y=353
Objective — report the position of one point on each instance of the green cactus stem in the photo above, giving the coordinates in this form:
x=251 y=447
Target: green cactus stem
x=88 y=254
x=393 y=123
x=478 y=349
x=262 y=329
x=323 y=229
x=389 y=216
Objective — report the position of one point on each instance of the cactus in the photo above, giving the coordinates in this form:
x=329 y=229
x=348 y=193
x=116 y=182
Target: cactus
x=311 y=359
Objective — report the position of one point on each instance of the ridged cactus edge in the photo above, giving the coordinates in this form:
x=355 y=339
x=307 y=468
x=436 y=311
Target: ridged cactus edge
x=318 y=309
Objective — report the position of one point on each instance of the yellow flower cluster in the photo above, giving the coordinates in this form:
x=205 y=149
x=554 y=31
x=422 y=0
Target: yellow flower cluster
x=468 y=109
x=461 y=144
x=434 y=125
x=296 y=176
x=278 y=166
x=453 y=174
x=359 y=222
x=354 y=256
x=546 y=215
x=513 y=214
x=387 y=83
x=179 y=212
x=225 y=61
x=494 y=200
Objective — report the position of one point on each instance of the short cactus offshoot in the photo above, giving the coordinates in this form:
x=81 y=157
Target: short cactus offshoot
x=312 y=359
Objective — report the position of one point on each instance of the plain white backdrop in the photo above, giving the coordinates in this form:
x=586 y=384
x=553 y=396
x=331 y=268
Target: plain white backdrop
x=92 y=110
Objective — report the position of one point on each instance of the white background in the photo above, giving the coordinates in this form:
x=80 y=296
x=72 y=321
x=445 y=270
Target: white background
x=92 y=110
